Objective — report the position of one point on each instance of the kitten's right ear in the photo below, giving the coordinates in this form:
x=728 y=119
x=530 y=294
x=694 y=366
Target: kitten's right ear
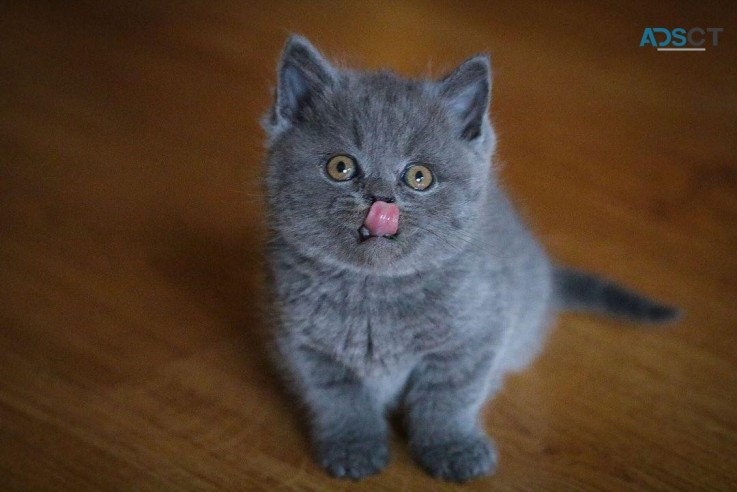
x=467 y=92
x=303 y=74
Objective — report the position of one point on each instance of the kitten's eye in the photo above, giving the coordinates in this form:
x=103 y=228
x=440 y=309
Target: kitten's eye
x=417 y=177
x=341 y=168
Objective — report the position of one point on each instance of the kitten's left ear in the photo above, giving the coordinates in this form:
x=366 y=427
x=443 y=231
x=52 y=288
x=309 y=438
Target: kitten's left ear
x=303 y=75
x=467 y=93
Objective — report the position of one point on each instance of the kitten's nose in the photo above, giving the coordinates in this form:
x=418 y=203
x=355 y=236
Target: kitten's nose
x=379 y=198
x=378 y=190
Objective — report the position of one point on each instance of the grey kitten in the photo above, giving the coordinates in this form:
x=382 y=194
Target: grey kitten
x=403 y=278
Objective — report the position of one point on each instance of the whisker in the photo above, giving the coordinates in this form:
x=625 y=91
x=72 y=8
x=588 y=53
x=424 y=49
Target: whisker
x=459 y=248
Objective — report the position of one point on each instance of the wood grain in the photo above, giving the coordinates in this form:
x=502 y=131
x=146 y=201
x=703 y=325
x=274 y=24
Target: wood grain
x=131 y=235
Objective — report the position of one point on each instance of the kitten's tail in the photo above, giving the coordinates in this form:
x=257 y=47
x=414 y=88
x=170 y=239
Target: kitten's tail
x=580 y=291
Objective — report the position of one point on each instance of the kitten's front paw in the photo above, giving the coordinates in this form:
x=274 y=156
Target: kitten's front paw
x=458 y=461
x=353 y=459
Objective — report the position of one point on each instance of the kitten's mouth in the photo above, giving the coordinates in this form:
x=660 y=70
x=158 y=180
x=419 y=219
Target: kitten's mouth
x=381 y=221
x=364 y=234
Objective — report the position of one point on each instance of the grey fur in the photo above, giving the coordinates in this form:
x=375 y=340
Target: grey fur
x=429 y=322
x=581 y=291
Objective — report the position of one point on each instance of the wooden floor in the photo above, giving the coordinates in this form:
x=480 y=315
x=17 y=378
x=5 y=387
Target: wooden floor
x=131 y=234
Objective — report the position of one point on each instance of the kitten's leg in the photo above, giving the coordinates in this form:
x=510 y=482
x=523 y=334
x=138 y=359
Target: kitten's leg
x=349 y=432
x=443 y=399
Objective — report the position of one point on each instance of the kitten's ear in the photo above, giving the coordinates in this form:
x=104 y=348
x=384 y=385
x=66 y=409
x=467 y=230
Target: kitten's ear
x=303 y=74
x=467 y=93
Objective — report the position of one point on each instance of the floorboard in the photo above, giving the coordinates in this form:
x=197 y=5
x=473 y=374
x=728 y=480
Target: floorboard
x=132 y=230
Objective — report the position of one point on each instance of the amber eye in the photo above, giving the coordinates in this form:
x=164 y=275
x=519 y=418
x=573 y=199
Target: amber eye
x=341 y=168
x=417 y=177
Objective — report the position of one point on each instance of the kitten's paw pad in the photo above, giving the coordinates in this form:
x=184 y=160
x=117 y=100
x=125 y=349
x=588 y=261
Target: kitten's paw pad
x=353 y=459
x=458 y=461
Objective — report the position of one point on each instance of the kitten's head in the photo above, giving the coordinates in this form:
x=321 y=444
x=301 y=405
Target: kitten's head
x=349 y=151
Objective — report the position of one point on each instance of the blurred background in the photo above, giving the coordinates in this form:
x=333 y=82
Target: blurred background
x=132 y=228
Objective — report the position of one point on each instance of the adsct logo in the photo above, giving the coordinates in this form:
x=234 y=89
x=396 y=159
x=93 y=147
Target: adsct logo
x=680 y=39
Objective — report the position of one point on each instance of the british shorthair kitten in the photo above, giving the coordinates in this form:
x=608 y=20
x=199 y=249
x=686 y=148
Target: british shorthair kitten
x=403 y=280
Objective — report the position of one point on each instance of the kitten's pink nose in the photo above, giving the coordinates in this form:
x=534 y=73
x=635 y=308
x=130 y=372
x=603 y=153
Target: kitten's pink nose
x=382 y=219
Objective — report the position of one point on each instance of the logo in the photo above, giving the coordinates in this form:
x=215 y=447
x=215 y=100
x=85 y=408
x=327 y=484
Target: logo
x=680 y=39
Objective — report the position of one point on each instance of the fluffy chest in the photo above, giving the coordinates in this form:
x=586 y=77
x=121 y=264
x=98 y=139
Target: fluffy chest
x=374 y=325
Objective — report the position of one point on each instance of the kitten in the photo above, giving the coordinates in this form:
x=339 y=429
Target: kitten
x=403 y=278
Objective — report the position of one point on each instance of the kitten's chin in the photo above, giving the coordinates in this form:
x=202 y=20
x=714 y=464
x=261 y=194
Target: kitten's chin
x=379 y=254
x=375 y=255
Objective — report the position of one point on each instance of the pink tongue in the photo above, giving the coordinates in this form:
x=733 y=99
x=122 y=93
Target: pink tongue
x=382 y=219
